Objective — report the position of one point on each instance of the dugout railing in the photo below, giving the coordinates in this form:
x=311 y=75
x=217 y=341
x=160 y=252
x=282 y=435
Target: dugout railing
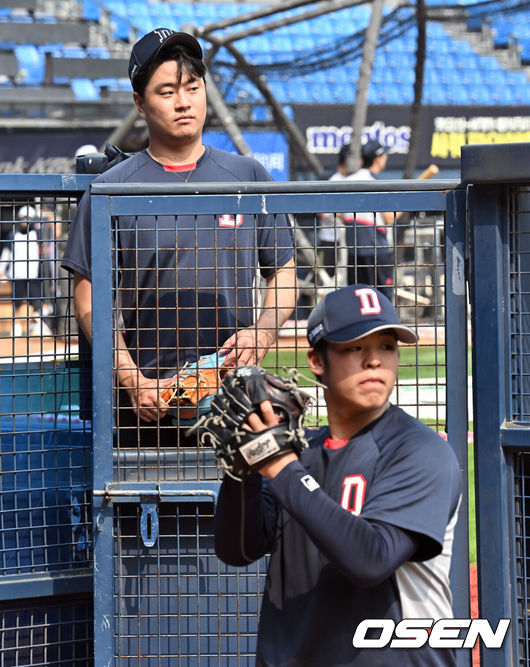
x=125 y=534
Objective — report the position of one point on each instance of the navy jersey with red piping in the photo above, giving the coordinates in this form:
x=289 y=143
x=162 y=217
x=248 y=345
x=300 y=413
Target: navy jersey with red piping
x=359 y=532
x=369 y=229
x=187 y=281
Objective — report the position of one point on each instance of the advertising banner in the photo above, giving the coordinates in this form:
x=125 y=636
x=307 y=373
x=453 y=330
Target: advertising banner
x=52 y=152
x=44 y=151
x=443 y=130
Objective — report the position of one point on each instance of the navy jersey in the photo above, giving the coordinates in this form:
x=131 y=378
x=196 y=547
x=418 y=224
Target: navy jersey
x=369 y=229
x=186 y=282
x=332 y=523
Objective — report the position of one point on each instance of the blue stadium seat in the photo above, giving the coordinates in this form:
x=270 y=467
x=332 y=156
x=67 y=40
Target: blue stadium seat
x=525 y=51
x=17 y=18
x=97 y=52
x=91 y=10
x=31 y=64
x=124 y=84
x=74 y=52
x=458 y=94
x=373 y=95
x=431 y=76
x=110 y=84
x=480 y=95
x=404 y=77
x=475 y=23
x=182 y=13
x=84 y=89
x=517 y=82
x=434 y=94
x=160 y=14
x=206 y=12
x=502 y=34
x=118 y=7
x=121 y=28
x=281 y=44
x=472 y=78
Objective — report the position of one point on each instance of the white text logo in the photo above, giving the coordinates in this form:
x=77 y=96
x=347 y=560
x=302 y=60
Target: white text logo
x=416 y=632
x=310 y=482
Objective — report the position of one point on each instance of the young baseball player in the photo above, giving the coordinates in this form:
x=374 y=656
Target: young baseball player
x=187 y=283
x=361 y=525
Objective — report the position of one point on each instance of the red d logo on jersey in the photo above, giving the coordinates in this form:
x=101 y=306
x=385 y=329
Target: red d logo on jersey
x=369 y=301
x=230 y=221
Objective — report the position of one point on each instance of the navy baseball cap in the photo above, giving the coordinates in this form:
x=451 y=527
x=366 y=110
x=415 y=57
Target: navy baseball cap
x=352 y=312
x=145 y=50
x=372 y=149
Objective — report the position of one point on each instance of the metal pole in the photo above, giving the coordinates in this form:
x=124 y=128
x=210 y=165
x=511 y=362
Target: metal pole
x=282 y=120
x=365 y=74
x=225 y=116
x=121 y=133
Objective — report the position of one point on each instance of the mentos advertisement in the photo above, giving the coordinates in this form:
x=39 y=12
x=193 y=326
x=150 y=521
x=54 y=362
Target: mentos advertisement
x=442 y=130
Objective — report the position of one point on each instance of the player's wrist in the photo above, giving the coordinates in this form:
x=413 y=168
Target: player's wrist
x=274 y=467
x=129 y=378
x=266 y=335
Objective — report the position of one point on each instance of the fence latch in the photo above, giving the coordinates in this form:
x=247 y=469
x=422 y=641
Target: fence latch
x=149 y=523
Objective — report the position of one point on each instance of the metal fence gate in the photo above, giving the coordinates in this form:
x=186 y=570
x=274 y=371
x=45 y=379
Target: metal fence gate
x=498 y=181
x=161 y=596
x=107 y=548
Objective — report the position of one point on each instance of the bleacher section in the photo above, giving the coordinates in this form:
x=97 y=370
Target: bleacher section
x=88 y=55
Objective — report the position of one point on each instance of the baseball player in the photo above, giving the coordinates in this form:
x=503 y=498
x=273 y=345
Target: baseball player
x=361 y=525
x=186 y=282
x=370 y=236
x=330 y=224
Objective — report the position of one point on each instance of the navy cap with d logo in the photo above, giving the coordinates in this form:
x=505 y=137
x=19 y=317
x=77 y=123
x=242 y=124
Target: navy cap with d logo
x=353 y=312
x=145 y=50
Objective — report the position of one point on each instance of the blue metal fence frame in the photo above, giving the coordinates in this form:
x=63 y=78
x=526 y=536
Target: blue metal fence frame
x=109 y=200
x=488 y=172
x=490 y=348
x=44 y=583
x=44 y=613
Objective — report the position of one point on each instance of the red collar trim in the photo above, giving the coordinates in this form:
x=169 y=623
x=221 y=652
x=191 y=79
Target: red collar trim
x=180 y=167
x=335 y=443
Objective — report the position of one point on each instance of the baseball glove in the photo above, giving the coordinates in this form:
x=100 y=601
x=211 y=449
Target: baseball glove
x=190 y=394
x=240 y=450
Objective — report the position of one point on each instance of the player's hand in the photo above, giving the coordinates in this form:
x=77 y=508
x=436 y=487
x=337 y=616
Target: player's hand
x=259 y=423
x=144 y=394
x=432 y=170
x=247 y=347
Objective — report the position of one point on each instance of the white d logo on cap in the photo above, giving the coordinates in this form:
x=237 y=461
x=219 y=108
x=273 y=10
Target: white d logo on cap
x=369 y=301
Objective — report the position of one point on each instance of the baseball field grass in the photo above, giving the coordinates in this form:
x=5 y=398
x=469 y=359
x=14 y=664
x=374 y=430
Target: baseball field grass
x=425 y=362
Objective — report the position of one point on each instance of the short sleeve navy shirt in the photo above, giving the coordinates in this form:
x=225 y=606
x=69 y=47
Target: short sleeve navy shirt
x=186 y=282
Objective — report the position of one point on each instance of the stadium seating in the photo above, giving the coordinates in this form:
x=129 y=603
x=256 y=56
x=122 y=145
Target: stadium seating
x=454 y=73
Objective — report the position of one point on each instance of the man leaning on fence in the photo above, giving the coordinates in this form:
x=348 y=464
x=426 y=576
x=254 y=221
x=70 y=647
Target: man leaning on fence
x=201 y=296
